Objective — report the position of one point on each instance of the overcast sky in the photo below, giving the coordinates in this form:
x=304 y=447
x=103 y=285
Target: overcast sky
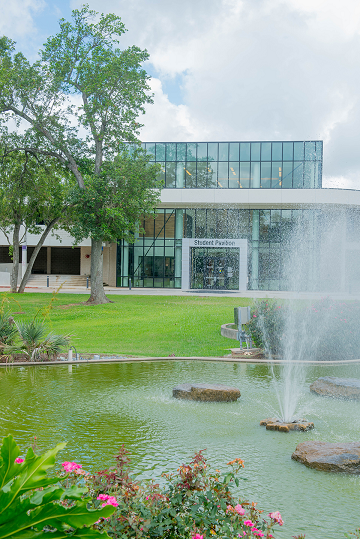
x=235 y=69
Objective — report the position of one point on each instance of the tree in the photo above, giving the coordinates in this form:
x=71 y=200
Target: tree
x=33 y=190
x=83 y=83
x=109 y=207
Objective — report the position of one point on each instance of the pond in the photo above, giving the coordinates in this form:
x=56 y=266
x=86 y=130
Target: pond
x=98 y=407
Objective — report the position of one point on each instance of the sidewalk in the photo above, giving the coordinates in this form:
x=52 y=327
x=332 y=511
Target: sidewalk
x=186 y=293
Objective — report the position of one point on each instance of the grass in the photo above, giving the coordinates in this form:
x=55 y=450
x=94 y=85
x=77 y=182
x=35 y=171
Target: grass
x=134 y=325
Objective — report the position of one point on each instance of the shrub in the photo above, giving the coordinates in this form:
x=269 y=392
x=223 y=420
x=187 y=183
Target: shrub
x=193 y=503
x=33 y=505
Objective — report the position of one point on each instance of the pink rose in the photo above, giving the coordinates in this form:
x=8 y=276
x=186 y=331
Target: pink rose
x=19 y=460
x=277 y=517
x=240 y=510
x=248 y=523
x=71 y=467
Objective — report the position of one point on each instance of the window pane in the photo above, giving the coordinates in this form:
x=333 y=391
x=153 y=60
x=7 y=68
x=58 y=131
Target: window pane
x=245 y=151
x=287 y=175
x=170 y=224
x=211 y=224
x=277 y=151
x=309 y=175
x=245 y=175
x=319 y=150
x=200 y=225
x=212 y=174
x=288 y=151
x=266 y=151
x=255 y=151
x=310 y=151
x=298 y=175
x=180 y=174
x=266 y=175
x=190 y=175
x=161 y=175
x=223 y=151
x=317 y=180
x=276 y=175
x=234 y=175
x=170 y=174
x=201 y=151
x=223 y=175
x=255 y=175
x=213 y=151
x=222 y=229
x=160 y=152
x=150 y=149
x=170 y=151
x=201 y=175
x=298 y=151
x=180 y=151
x=159 y=225
x=234 y=151
x=191 y=151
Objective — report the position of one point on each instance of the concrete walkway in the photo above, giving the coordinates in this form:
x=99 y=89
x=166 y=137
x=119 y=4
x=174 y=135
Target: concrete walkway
x=186 y=293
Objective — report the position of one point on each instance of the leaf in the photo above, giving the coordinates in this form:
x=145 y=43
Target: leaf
x=85 y=533
x=32 y=475
x=9 y=452
x=55 y=515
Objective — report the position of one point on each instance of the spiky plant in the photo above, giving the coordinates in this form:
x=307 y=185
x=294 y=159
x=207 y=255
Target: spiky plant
x=35 y=343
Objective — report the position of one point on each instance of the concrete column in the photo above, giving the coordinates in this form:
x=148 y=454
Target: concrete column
x=255 y=250
x=125 y=264
x=23 y=259
x=48 y=260
x=179 y=227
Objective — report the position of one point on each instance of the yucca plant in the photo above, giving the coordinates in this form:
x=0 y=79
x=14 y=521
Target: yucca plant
x=8 y=329
x=35 y=343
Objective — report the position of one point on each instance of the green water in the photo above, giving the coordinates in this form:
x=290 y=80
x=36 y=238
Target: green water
x=98 y=407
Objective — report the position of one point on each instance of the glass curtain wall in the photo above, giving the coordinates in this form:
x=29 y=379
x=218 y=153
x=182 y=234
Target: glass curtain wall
x=154 y=260
x=237 y=165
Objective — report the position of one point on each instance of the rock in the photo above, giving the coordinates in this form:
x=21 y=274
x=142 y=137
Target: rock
x=329 y=457
x=346 y=388
x=272 y=423
x=206 y=392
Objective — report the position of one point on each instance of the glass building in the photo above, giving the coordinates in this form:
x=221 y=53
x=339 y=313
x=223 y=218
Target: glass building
x=227 y=213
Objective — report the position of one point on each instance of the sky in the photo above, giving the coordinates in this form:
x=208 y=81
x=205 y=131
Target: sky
x=226 y=70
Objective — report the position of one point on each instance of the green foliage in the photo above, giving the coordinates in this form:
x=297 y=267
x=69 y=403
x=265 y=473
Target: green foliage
x=267 y=325
x=110 y=206
x=194 y=502
x=27 y=512
x=36 y=344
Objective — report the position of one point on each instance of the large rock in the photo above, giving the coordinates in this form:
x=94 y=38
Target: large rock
x=329 y=457
x=206 y=392
x=346 y=388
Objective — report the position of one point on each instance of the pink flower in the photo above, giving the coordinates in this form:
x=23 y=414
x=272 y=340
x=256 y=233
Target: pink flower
x=109 y=500
x=19 y=460
x=240 y=510
x=254 y=316
x=71 y=467
x=197 y=536
x=248 y=523
x=277 y=517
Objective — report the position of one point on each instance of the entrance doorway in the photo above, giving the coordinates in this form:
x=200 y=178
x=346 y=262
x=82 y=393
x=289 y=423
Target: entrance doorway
x=214 y=269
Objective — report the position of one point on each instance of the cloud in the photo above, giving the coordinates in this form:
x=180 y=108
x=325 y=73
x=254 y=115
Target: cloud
x=17 y=17
x=249 y=70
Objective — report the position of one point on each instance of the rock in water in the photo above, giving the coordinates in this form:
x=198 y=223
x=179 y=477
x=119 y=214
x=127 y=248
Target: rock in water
x=329 y=457
x=206 y=392
x=330 y=386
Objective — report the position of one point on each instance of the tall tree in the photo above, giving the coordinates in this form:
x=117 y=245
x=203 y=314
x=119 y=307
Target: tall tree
x=33 y=190
x=80 y=100
x=109 y=207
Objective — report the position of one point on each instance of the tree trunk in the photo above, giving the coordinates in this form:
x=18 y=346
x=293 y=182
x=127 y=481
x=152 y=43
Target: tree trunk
x=34 y=255
x=15 y=257
x=97 y=287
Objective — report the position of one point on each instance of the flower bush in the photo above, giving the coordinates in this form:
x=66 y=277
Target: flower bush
x=323 y=329
x=194 y=502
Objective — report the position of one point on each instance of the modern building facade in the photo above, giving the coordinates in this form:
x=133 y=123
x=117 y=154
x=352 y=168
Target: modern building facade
x=229 y=216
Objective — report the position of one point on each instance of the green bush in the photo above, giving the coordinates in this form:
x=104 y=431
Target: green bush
x=33 y=505
x=194 y=502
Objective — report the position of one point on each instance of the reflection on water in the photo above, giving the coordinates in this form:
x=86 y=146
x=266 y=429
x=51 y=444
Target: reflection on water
x=97 y=408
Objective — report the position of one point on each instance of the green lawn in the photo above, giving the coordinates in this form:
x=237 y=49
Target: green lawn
x=136 y=325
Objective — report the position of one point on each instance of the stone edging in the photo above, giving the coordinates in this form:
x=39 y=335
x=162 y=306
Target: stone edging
x=187 y=358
